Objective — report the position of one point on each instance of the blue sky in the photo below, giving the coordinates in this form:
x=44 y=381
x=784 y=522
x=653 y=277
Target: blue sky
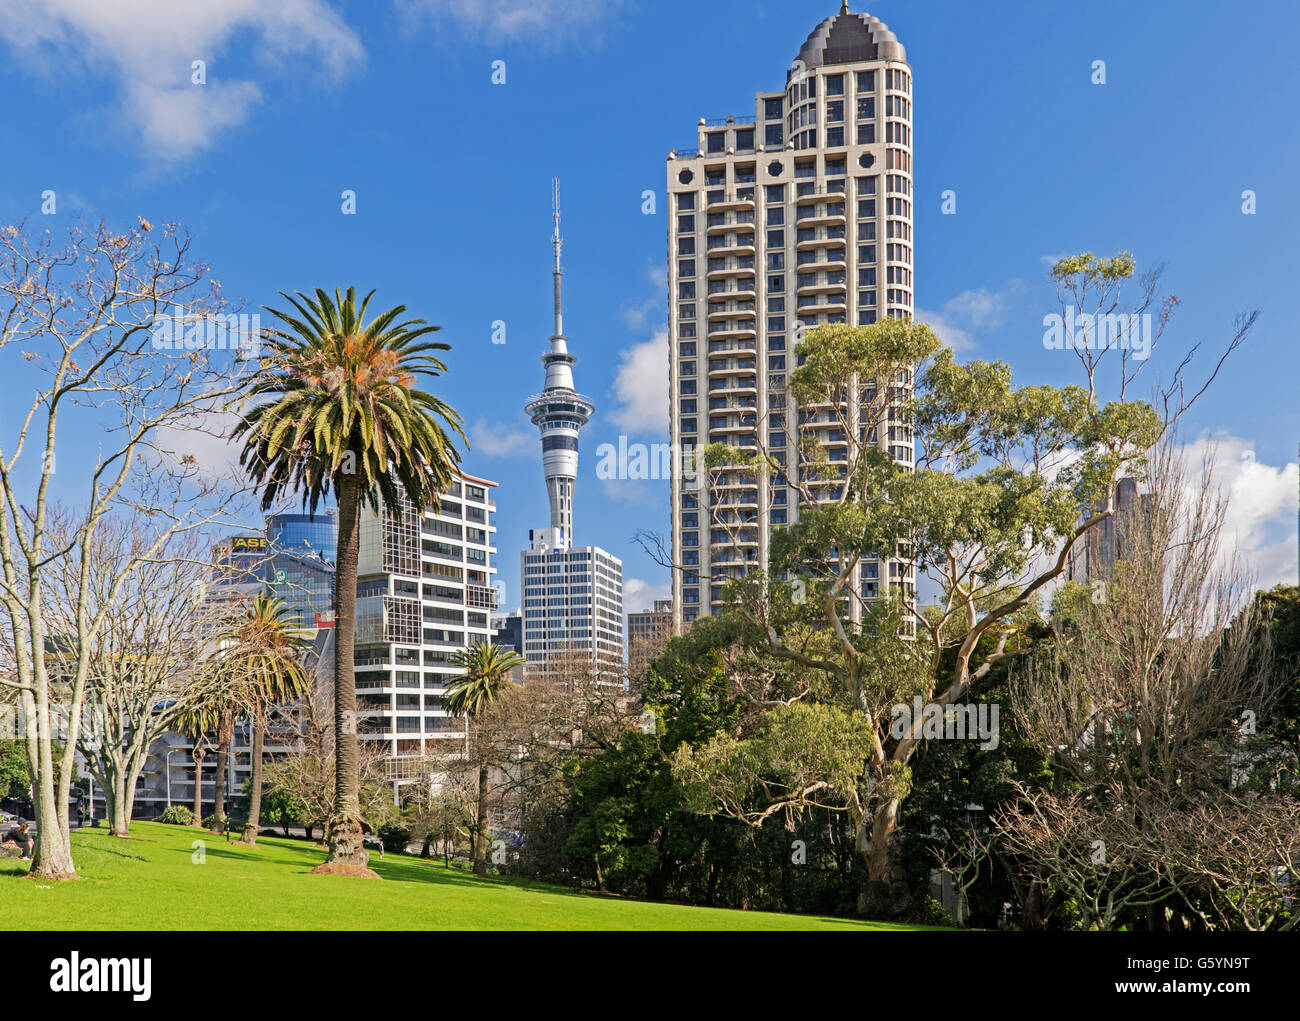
x=395 y=101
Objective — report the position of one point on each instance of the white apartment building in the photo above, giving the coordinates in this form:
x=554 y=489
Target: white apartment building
x=424 y=590
x=797 y=214
x=573 y=603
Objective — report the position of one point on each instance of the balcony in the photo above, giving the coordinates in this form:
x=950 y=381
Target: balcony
x=732 y=245
x=741 y=198
x=732 y=267
x=721 y=310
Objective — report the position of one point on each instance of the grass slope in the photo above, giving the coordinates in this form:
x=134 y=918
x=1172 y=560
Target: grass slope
x=151 y=882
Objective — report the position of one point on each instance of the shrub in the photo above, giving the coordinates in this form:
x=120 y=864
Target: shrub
x=394 y=838
x=928 y=911
x=177 y=815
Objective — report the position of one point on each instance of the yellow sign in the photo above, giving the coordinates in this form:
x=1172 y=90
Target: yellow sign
x=248 y=542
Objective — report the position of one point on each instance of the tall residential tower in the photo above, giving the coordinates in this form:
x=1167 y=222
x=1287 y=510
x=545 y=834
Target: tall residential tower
x=573 y=595
x=796 y=215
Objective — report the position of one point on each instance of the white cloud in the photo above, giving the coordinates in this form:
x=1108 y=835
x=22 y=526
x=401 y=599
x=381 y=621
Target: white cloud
x=652 y=311
x=493 y=439
x=651 y=493
x=205 y=438
x=639 y=594
x=149 y=47
x=545 y=21
x=1260 y=521
x=968 y=313
x=641 y=387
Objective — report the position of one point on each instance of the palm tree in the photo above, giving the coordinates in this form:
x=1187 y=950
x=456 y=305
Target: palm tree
x=196 y=724
x=266 y=648
x=343 y=413
x=487 y=675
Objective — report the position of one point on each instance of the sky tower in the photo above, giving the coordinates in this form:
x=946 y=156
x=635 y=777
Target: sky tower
x=559 y=412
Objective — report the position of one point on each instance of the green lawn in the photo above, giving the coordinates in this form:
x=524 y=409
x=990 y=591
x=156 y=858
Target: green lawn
x=150 y=882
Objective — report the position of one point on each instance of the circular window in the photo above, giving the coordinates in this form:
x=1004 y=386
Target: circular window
x=686 y=177
x=866 y=160
x=774 y=168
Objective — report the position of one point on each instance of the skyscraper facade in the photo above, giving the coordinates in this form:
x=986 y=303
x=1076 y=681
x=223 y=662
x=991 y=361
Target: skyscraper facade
x=303 y=549
x=573 y=595
x=424 y=591
x=796 y=215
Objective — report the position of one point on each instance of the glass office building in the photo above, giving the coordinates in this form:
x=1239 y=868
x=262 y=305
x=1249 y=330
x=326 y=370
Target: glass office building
x=303 y=550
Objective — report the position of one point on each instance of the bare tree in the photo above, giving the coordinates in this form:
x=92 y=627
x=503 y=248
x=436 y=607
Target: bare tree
x=1139 y=702
x=78 y=326
x=1236 y=860
x=151 y=662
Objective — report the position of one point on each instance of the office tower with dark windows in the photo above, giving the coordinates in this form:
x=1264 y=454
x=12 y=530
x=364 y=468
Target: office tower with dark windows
x=795 y=215
x=303 y=549
x=648 y=632
x=424 y=591
x=573 y=595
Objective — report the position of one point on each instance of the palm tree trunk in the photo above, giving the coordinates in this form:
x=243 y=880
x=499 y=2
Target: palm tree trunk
x=219 y=784
x=345 y=839
x=198 y=783
x=255 y=780
x=480 y=845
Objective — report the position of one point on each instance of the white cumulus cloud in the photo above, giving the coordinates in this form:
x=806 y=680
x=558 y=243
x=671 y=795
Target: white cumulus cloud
x=639 y=594
x=959 y=318
x=493 y=439
x=149 y=48
x=641 y=387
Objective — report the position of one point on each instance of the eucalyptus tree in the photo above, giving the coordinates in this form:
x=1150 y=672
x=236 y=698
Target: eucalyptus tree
x=1000 y=484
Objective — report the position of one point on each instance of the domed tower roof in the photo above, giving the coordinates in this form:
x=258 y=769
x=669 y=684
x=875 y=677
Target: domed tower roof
x=848 y=38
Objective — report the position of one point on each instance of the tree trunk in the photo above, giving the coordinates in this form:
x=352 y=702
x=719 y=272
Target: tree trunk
x=480 y=845
x=219 y=781
x=882 y=895
x=345 y=837
x=255 y=781
x=198 y=786
x=52 y=855
x=118 y=820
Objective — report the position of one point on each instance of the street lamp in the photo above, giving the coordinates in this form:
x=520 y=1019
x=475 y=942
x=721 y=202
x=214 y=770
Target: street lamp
x=167 y=766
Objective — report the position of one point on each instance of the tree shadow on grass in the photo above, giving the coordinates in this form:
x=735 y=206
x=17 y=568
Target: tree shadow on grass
x=102 y=849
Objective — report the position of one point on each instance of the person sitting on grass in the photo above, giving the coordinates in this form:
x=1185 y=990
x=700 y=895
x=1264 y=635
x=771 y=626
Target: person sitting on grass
x=21 y=835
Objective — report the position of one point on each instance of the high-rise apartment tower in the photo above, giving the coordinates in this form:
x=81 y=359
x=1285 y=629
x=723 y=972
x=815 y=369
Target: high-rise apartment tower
x=796 y=215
